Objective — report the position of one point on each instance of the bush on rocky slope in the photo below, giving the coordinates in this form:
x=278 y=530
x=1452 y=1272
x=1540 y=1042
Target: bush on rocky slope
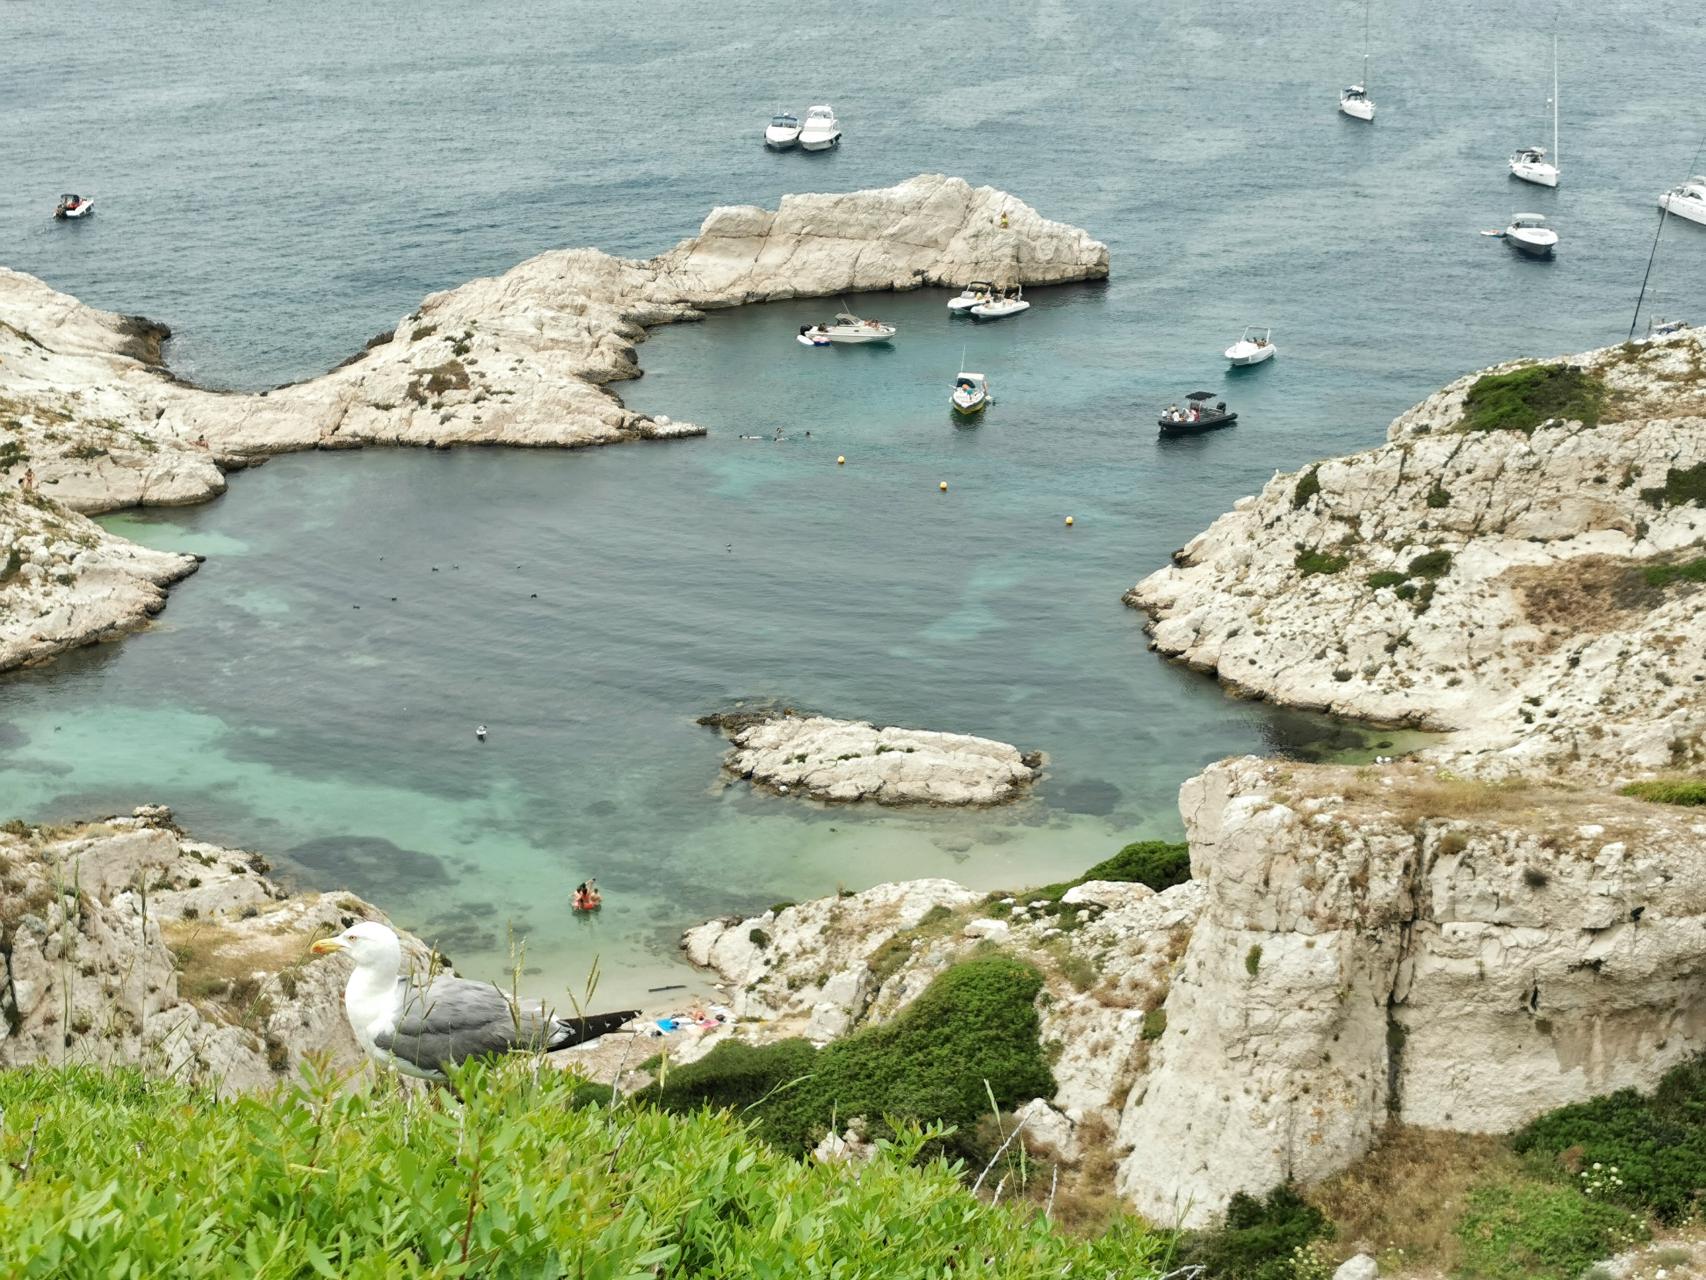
x=1524 y=398
x=114 y=1174
x=1691 y=791
x=977 y=1022
x=1647 y=1152
x=1260 y=1239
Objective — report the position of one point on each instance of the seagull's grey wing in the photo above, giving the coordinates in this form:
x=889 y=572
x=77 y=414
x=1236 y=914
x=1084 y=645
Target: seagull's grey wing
x=452 y=1019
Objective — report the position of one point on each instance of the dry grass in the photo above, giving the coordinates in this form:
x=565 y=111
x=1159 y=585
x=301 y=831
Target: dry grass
x=1587 y=595
x=1408 y=1194
x=218 y=965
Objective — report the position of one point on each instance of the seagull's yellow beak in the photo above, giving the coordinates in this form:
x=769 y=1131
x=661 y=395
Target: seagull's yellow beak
x=325 y=946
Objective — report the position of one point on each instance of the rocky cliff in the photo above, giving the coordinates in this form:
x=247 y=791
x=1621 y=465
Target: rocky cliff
x=1524 y=588
x=126 y=942
x=89 y=410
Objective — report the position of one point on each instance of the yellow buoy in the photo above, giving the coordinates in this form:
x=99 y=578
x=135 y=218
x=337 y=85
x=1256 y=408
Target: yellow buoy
x=1069 y=521
x=841 y=459
x=943 y=486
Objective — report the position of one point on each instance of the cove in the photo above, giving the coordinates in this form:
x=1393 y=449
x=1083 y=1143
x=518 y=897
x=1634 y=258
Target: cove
x=313 y=691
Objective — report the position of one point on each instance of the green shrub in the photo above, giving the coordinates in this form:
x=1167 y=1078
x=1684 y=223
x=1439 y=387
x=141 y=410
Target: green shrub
x=133 y=1177
x=1662 y=575
x=1438 y=497
x=1259 y=1239
x=1310 y=560
x=1657 y=1143
x=1524 y=398
x=1668 y=790
x=1682 y=485
x=1308 y=485
x=1385 y=579
x=1154 y=1024
x=1253 y=960
x=1431 y=564
x=1530 y=1229
x=976 y=1022
x=1160 y=864
x=758 y=938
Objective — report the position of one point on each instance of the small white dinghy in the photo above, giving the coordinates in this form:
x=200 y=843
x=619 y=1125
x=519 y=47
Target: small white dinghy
x=1687 y=201
x=821 y=130
x=783 y=131
x=1355 y=102
x=1004 y=303
x=971 y=394
x=1529 y=234
x=974 y=294
x=74 y=206
x=813 y=335
x=1253 y=348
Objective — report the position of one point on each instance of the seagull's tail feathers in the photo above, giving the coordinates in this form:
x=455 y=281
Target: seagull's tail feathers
x=572 y=1031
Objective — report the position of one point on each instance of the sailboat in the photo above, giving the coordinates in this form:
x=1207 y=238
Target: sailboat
x=1354 y=100
x=1530 y=164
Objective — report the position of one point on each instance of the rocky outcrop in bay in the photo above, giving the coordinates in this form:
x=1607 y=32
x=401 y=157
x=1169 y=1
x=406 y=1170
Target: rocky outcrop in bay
x=89 y=410
x=819 y=758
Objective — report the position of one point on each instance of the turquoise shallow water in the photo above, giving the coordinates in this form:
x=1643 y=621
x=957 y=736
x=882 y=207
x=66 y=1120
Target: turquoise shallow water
x=278 y=199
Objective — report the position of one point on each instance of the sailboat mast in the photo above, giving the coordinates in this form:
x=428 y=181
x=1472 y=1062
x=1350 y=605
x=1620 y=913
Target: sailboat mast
x=1367 y=4
x=1555 y=164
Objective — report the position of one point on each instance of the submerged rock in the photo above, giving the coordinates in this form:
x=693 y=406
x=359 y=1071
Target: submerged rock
x=847 y=760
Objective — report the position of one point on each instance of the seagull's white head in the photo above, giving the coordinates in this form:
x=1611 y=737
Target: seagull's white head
x=370 y=944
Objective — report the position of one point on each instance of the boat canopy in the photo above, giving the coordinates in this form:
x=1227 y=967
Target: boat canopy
x=820 y=113
x=1355 y=91
x=1200 y=395
x=981 y=284
x=784 y=117
x=964 y=378
x=71 y=197
x=1528 y=219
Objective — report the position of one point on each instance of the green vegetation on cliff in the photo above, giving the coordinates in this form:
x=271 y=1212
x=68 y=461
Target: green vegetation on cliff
x=976 y=1023
x=113 y=1175
x=1524 y=398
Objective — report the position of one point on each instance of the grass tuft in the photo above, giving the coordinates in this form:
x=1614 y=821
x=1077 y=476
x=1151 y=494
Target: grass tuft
x=1524 y=398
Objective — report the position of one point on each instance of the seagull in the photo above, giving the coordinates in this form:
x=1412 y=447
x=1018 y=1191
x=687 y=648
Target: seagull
x=422 y=1028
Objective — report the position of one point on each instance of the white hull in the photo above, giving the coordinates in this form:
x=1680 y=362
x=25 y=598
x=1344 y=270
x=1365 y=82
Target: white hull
x=1541 y=175
x=1536 y=244
x=820 y=141
x=781 y=139
x=973 y=403
x=811 y=342
x=1357 y=108
x=1680 y=206
x=862 y=335
x=963 y=303
x=1247 y=353
x=997 y=310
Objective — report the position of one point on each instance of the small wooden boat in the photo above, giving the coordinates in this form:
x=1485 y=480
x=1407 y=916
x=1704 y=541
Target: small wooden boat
x=1197 y=417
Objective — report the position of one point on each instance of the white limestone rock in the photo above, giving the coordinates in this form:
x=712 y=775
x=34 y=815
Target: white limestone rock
x=1359 y=957
x=1536 y=643
x=819 y=758
x=1357 y=1267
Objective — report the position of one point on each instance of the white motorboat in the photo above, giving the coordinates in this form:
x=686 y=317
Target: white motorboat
x=1531 y=163
x=1657 y=329
x=1004 y=303
x=74 y=206
x=821 y=130
x=1528 y=233
x=974 y=294
x=970 y=395
x=848 y=328
x=1687 y=201
x=783 y=130
x=1253 y=348
x=1353 y=99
